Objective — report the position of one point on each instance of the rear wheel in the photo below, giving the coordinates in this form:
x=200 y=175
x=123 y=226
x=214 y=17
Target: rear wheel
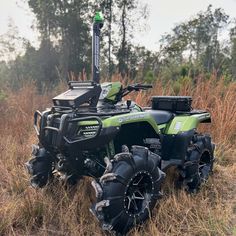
x=128 y=191
x=199 y=165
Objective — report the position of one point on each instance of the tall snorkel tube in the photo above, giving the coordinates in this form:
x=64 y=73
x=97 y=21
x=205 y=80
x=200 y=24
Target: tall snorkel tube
x=97 y=25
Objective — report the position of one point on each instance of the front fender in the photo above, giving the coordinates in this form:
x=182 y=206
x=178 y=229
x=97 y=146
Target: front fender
x=134 y=117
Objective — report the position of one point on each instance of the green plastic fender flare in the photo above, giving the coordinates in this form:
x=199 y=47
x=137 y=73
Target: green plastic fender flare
x=185 y=123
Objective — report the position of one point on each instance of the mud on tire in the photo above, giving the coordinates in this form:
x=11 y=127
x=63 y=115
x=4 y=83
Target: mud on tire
x=128 y=190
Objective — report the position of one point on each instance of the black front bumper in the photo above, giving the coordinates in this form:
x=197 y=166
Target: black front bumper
x=60 y=132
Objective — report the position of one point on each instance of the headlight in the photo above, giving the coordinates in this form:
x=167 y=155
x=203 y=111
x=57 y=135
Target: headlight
x=87 y=131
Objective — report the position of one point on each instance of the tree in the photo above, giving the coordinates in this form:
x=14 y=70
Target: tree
x=108 y=8
x=11 y=47
x=197 y=40
x=40 y=65
x=67 y=24
x=23 y=62
x=233 y=52
x=11 y=43
x=127 y=9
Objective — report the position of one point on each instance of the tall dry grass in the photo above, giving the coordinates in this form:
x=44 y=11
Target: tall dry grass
x=56 y=211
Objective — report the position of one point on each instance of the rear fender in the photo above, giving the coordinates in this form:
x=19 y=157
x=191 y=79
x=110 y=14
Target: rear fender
x=185 y=123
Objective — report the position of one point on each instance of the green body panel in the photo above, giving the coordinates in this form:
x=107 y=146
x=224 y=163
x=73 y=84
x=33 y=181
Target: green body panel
x=180 y=123
x=162 y=126
x=115 y=88
x=185 y=123
x=87 y=122
x=134 y=117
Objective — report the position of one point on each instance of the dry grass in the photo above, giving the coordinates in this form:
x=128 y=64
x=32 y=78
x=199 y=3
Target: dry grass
x=55 y=211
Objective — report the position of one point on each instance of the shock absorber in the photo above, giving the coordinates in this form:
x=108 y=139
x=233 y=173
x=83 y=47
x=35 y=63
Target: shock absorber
x=97 y=25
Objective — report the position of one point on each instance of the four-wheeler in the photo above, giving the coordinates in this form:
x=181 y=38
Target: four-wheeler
x=91 y=131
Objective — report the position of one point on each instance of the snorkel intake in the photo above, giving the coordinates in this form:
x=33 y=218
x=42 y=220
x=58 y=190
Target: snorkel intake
x=97 y=25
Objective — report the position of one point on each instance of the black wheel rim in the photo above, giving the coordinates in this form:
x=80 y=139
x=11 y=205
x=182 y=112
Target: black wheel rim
x=138 y=193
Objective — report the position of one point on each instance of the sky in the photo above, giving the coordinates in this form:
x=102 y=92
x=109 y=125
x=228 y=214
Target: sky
x=164 y=15
x=22 y=17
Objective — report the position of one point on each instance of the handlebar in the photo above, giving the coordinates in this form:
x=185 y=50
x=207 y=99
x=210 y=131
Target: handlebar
x=137 y=87
x=130 y=88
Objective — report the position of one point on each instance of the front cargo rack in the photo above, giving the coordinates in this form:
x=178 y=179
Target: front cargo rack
x=80 y=94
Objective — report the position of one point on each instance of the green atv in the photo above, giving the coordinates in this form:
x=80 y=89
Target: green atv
x=92 y=131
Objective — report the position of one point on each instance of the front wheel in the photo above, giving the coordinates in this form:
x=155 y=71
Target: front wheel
x=128 y=190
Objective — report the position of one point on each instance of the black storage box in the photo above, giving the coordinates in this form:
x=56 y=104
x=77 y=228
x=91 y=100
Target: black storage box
x=79 y=94
x=172 y=103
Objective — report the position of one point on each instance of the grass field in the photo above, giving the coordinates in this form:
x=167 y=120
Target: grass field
x=55 y=211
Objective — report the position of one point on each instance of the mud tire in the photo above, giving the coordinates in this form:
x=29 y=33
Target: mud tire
x=127 y=193
x=199 y=163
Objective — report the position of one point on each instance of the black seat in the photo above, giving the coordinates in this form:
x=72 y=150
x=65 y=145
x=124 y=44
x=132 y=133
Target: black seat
x=161 y=117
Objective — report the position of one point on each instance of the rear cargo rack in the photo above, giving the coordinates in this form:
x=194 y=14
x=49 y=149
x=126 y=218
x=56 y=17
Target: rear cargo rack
x=172 y=103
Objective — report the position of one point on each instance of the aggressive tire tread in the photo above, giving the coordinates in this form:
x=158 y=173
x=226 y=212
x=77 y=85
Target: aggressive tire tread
x=132 y=194
x=199 y=163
